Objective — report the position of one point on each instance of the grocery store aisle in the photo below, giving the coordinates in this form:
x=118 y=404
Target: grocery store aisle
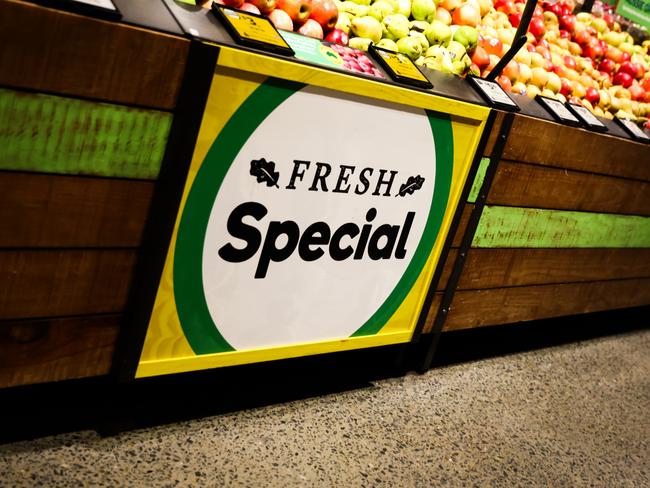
x=571 y=415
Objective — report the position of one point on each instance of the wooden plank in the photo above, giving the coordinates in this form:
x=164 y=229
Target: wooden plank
x=479 y=308
x=39 y=351
x=64 y=282
x=526 y=185
x=462 y=225
x=53 y=134
x=69 y=211
x=495 y=268
x=494 y=134
x=478 y=180
x=547 y=143
x=532 y=227
x=447 y=269
x=49 y=50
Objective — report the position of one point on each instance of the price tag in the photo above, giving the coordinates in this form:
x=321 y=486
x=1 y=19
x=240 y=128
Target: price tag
x=400 y=67
x=558 y=110
x=251 y=30
x=586 y=117
x=492 y=93
x=633 y=129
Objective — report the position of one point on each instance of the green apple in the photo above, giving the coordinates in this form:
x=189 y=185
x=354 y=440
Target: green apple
x=438 y=58
x=423 y=10
x=419 y=25
x=367 y=27
x=467 y=36
x=343 y=22
x=388 y=44
x=438 y=33
x=404 y=8
x=360 y=43
x=380 y=9
x=410 y=46
x=421 y=39
x=456 y=50
x=361 y=2
x=395 y=27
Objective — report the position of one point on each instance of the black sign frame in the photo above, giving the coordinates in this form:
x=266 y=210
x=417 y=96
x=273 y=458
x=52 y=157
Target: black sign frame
x=627 y=124
x=218 y=11
x=477 y=85
x=375 y=52
x=549 y=105
x=577 y=110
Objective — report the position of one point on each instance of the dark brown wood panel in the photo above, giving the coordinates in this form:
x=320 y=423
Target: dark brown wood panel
x=39 y=210
x=478 y=308
x=56 y=349
x=64 y=282
x=494 y=268
x=548 y=143
x=50 y=50
x=526 y=185
x=494 y=134
x=447 y=269
x=462 y=225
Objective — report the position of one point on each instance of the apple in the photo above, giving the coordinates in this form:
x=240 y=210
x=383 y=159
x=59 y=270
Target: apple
x=554 y=83
x=519 y=88
x=298 y=10
x=532 y=91
x=325 y=13
x=637 y=92
x=567 y=87
x=233 y=3
x=450 y=5
x=443 y=15
x=480 y=58
x=592 y=95
x=249 y=7
x=505 y=83
x=567 y=22
x=515 y=19
x=337 y=36
x=540 y=77
x=525 y=73
x=484 y=7
x=537 y=28
x=311 y=28
x=595 y=52
x=491 y=45
x=511 y=70
x=466 y=14
x=264 y=6
x=281 y=19
x=607 y=65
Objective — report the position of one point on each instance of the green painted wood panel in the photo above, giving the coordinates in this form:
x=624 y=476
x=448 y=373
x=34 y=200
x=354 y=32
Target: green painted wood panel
x=478 y=180
x=53 y=134
x=539 y=228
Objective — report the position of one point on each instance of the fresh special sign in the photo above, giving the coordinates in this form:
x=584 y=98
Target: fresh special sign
x=307 y=225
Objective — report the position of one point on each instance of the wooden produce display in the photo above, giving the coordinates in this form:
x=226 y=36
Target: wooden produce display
x=565 y=229
x=86 y=108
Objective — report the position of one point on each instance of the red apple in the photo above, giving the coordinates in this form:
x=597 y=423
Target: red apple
x=492 y=45
x=567 y=22
x=264 y=6
x=623 y=79
x=325 y=13
x=567 y=87
x=511 y=71
x=570 y=62
x=298 y=10
x=515 y=19
x=592 y=96
x=233 y=3
x=505 y=6
x=645 y=83
x=637 y=92
x=480 y=58
x=607 y=65
x=629 y=68
x=595 y=52
x=337 y=36
x=281 y=19
x=615 y=54
x=505 y=83
x=537 y=28
x=311 y=28
x=582 y=37
x=564 y=34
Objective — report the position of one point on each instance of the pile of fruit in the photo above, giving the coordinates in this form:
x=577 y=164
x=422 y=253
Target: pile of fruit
x=581 y=57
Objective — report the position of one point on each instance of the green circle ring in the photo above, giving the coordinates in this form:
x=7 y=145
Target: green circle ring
x=198 y=326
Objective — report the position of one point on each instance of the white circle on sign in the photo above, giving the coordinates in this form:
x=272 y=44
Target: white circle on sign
x=298 y=301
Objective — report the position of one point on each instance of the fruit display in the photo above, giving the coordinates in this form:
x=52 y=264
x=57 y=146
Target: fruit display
x=583 y=58
x=579 y=57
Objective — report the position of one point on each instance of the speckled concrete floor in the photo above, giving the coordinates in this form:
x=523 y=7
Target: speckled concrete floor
x=574 y=415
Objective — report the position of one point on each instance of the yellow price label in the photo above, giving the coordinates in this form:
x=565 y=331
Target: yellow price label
x=402 y=66
x=254 y=28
